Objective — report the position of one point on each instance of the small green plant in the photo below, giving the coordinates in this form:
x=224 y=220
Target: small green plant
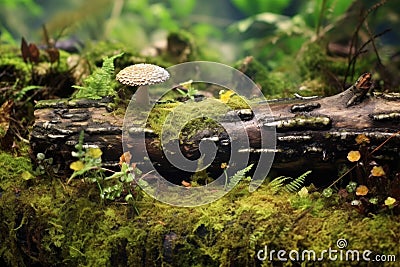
x=288 y=184
x=44 y=165
x=100 y=83
x=118 y=184
x=189 y=92
x=23 y=92
x=230 y=182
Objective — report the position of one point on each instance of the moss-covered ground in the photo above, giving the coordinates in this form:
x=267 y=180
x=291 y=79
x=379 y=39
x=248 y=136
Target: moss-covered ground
x=45 y=222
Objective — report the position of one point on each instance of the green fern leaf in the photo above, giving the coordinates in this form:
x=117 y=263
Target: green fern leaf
x=108 y=64
x=100 y=82
x=278 y=183
x=239 y=175
x=297 y=184
x=281 y=183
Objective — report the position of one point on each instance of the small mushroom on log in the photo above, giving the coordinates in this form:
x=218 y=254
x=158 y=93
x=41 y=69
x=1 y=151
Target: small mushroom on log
x=142 y=75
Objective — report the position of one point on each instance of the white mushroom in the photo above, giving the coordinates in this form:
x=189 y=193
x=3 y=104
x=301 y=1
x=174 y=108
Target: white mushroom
x=142 y=75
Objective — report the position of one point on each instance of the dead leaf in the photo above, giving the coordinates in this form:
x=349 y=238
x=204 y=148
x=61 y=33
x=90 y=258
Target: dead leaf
x=54 y=54
x=34 y=53
x=24 y=50
x=186 y=184
x=5 y=114
x=125 y=158
x=29 y=52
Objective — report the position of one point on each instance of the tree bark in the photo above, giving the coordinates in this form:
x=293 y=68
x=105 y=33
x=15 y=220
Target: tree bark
x=311 y=134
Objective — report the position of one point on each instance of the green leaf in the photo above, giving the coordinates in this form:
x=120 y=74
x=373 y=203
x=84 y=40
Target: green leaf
x=239 y=175
x=77 y=165
x=94 y=152
x=276 y=184
x=25 y=90
x=297 y=183
x=27 y=175
x=128 y=197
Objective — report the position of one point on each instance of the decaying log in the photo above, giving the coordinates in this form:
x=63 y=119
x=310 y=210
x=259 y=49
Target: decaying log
x=312 y=134
x=58 y=124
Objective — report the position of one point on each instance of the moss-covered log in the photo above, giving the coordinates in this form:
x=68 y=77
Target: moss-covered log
x=312 y=134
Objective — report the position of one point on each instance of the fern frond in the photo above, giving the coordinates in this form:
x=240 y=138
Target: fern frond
x=278 y=183
x=100 y=82
x=108 y=64
x=239 y=175
x=281 y=183
x=297 y=183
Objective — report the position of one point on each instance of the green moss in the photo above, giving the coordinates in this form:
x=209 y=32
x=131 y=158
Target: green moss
x=169 y=117
x=197 y=116
x=273 y=84
x=158 y=115
x=11 y=62
x=181 y=47
x=50 y=223
x=20 y=77
x=256 y=71
x=11 y=169
x=322 y=72
x=96 y=51
x=237 y=102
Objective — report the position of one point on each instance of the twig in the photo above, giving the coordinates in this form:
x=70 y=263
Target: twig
x=353 y=44
x=384 y=142
x=320 y=17
x=343 y=175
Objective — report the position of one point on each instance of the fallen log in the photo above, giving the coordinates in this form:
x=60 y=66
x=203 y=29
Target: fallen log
x=311 y=134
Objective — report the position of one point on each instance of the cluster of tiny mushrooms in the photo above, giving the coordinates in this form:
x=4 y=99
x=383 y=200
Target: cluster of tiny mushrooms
x=142 y=75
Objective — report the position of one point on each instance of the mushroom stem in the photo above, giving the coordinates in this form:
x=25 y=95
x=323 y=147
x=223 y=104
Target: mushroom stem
x=142 y=96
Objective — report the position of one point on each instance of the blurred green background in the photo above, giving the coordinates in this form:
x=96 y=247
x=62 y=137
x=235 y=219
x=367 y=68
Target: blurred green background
x=234 y=28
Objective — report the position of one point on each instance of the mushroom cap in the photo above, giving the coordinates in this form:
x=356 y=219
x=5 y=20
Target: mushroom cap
x=142 y=74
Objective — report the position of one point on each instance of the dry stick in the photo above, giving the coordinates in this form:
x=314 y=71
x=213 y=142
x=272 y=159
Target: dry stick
x=372 y=38
x=321 y=16
x=343 y=175
x=384 y=142
x=361 y=51
x=353 y=43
